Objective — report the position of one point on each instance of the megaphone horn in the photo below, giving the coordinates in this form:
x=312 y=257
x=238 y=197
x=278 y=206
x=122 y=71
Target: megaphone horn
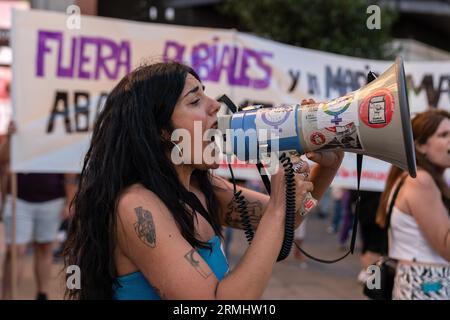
x=374 y=121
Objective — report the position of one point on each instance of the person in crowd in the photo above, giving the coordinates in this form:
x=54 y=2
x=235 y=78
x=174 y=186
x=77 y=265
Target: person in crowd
x=348 y=210
x=419 y=233
x=373 y=238
x=337 y=194
x=42 y=200
x=147 y=226
x=325 y=206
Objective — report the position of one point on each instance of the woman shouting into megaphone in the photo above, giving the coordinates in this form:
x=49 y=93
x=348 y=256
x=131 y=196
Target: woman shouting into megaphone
x=148 y=215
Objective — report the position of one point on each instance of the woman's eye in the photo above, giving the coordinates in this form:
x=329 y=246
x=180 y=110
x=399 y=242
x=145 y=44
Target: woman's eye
x=194 y=103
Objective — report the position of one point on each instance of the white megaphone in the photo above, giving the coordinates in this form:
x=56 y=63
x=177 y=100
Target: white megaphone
x=374 y=121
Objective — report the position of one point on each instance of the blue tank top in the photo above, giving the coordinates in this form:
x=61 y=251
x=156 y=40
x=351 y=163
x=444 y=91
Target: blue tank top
x=134 y=286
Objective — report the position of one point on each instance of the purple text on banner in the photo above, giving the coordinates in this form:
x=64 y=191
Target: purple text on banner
x=87 y=58
x=211 y=61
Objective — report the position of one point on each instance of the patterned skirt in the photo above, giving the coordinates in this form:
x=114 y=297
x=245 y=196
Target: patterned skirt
x=421 y=282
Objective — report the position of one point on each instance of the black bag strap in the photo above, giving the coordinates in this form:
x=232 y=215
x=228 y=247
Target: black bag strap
x=359 y=159
x=392 y=203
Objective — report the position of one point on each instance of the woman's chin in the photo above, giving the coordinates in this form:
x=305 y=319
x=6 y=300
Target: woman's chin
x=205 y=166
x=214 y=166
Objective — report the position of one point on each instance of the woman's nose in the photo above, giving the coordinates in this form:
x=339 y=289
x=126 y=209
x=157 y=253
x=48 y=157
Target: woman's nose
x=215 y=106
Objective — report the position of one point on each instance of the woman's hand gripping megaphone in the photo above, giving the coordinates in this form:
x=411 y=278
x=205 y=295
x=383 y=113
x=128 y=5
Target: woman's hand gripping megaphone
x=302 y=171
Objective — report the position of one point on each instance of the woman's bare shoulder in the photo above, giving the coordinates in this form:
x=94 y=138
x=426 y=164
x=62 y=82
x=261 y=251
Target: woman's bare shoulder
x=423 y=181
x=136 y=196
x=136 y=190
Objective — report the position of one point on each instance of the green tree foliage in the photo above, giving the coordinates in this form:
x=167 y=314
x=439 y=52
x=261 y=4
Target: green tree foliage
x=337 y=26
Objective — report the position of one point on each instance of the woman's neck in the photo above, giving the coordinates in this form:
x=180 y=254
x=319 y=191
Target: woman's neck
x=184 y=173
x=435 y=171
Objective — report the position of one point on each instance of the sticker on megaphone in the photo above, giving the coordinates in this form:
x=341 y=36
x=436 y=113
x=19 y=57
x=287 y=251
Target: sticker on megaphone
x=308 y=204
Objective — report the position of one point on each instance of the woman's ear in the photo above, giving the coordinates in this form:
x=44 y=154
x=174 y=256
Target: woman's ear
x=421 y=148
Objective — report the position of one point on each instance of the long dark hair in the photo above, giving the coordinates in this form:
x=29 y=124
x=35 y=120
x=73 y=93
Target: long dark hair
x=424 y=125
x=127 y=148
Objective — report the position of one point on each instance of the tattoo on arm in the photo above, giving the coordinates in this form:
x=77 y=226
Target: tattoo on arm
x=233 y=217
x=144 y=227
x=204 y=272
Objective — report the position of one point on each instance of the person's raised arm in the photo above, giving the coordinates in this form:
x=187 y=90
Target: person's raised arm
x=150 y=238
x=256 y=202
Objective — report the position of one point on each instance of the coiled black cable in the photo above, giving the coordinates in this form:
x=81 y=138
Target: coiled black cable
x=290 y=207
x=241 y=203
x=241 y=207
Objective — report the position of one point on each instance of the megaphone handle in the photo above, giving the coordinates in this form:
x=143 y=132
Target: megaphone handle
x=309 y=202
x=290 y=208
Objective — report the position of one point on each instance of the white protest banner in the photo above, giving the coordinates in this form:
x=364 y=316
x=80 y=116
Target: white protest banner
x=62 y=76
